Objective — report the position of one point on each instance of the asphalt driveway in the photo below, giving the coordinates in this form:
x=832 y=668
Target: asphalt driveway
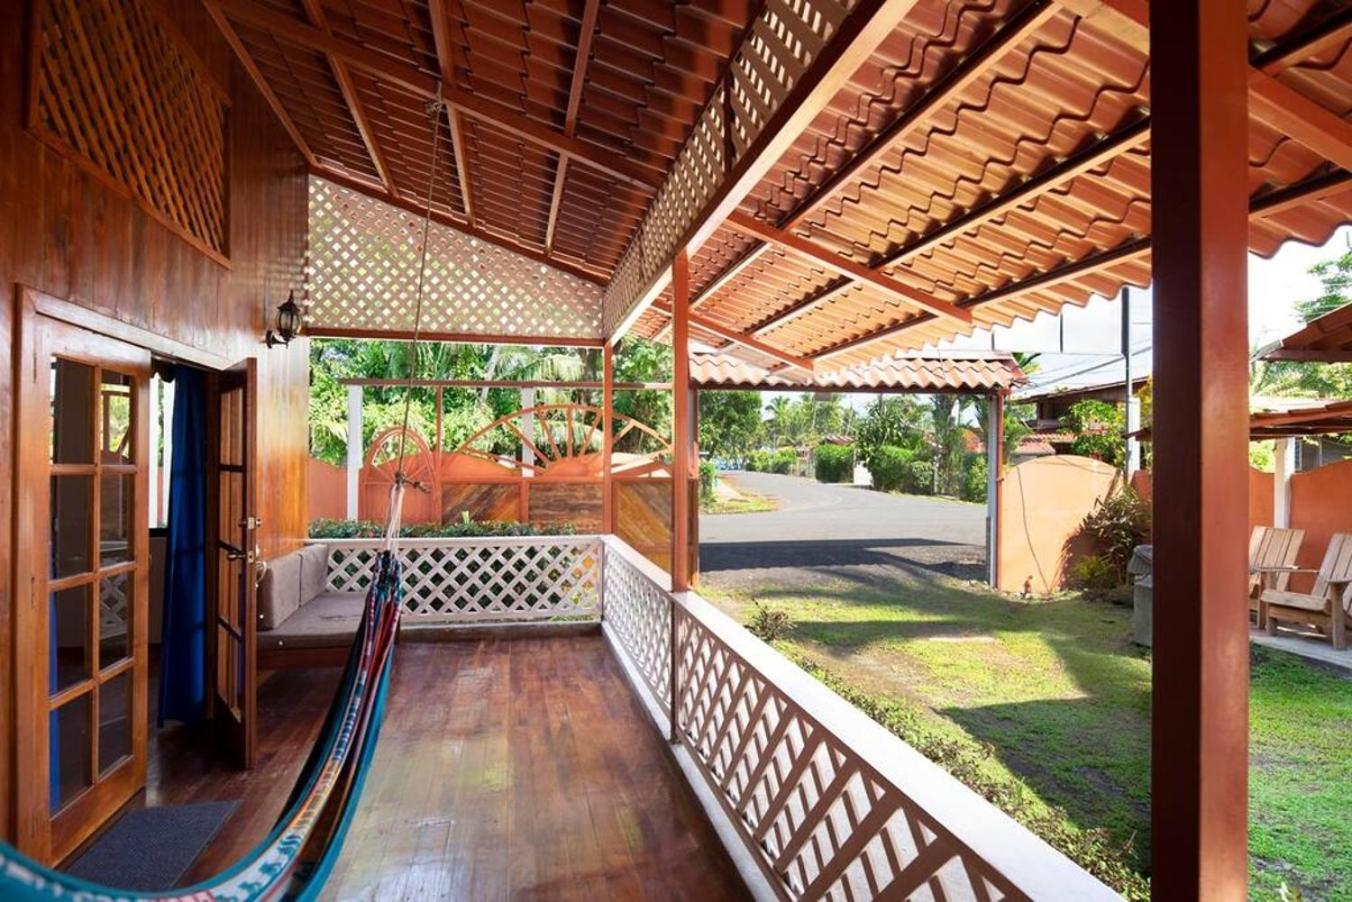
x=829 y=531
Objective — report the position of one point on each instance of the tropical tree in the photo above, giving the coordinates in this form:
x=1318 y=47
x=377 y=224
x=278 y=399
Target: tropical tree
x=729 y=423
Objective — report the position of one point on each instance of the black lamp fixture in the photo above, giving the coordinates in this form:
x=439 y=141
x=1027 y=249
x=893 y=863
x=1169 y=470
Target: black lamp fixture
x=290 y=320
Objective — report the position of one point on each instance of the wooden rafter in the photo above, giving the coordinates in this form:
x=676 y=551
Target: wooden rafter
x=1018 y=29
x=1274 y=203
x=586 y=33
x=256 y=76
x=441 y=40
x=732 y=271
x=314 y=9
x=827 y=259
x=1305 y=121
x=287 y=29
x=866 y=27
x=819 y=298
x=740 y=338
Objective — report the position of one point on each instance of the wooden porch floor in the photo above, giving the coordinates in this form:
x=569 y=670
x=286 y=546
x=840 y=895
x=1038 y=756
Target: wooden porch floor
x=524 y=768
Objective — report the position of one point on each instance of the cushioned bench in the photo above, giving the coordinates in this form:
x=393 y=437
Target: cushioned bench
x=301 y=623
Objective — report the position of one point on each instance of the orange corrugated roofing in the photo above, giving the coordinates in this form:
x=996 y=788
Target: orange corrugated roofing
x=901 y=373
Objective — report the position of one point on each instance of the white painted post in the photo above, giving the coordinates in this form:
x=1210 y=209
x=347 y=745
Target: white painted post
x=1285 y=460
x=995 y=416
x=354 y=449
x=1132 y=412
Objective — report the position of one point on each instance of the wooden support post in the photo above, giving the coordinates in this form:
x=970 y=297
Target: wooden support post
x=680 y=424
x=607 y=439
x=1199 y=724
x=995 y=479
x=1285 y=461
x=354 y=449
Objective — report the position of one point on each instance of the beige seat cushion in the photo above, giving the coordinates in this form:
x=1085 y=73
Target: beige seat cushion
x=1294 y=600
x=279 y=591
x=328 y=621
x=314 y=571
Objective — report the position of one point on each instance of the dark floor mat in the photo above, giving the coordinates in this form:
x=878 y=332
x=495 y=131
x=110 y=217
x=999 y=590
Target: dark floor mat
x=150 y=849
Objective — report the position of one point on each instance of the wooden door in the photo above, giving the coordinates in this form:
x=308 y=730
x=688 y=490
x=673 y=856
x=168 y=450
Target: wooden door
x=231 y=573
x=81 y=579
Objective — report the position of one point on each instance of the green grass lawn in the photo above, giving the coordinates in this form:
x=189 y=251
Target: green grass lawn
x=1044 y=707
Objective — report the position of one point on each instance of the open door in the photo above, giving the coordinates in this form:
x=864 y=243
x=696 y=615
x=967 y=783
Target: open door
x=231 y=568
x=81 y=581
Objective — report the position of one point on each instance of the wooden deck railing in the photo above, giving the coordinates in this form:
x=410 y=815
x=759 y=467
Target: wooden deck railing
x=503 y=579
x=828 y=803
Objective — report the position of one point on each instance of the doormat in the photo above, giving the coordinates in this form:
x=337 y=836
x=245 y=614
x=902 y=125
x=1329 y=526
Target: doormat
x=150 y=849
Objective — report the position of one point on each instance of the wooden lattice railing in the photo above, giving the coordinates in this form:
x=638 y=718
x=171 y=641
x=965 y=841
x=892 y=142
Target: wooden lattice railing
x=117 y=90
x=828 y=803
x=501 y=579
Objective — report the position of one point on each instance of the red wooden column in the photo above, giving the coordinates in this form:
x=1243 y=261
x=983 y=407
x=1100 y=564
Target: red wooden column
x=680 y=424
x=1199 y=742
x=607 y=438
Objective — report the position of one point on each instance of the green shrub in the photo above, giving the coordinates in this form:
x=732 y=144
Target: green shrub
x=897 y=469
x=783 y=461
x=325 y=528
x=835 y=463
x=708 y=479
x=769 y=624
x=974 y=479
x=1118 y=524
x=758 y=461
x=1094 y=575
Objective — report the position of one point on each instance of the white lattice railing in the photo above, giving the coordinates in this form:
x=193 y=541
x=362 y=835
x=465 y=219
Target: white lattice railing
x=827 y=803
x=491 y=579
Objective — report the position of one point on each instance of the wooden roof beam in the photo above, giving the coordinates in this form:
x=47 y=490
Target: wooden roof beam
x=732 y=271
x=817 y=299
x=441 y=41
x=314 y=9
x=256 y=76
x=861 y=32
x=611 y=161
x=1274 y=203
x=1305 y=121
x=945 y=88
x=833 y=262
x=740 y=338
x=586 y=33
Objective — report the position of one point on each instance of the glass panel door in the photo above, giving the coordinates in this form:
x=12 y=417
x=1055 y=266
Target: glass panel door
x=82 y=554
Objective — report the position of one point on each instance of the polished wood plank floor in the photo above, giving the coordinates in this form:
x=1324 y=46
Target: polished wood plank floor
x=524 y=768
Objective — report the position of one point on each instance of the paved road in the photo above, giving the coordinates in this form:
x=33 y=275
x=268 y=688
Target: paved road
x=826 y=531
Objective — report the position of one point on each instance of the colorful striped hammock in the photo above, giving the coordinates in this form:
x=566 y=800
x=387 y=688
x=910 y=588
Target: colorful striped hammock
x=296 y=857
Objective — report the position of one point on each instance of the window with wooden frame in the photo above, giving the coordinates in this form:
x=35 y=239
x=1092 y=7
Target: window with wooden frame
x=116 y=89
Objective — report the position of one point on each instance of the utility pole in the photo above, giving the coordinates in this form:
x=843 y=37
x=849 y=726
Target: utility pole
x=1132 y=413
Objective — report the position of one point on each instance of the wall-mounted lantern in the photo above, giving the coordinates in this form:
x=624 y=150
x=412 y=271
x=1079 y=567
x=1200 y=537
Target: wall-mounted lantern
x=290 y=320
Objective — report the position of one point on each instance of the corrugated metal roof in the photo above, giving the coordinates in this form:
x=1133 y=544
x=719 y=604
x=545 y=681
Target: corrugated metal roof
x=899 y=373
x=1325 y=339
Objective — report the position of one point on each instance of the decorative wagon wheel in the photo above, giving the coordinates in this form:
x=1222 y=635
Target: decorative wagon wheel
x=555 y=433
x=419 y=467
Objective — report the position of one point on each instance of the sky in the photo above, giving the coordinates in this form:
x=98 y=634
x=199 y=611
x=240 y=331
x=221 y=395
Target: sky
x=1081 y=346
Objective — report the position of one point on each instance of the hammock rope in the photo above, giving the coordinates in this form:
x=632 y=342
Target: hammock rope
x=295 y=858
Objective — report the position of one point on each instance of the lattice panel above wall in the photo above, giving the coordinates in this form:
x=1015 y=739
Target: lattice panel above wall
x=114 y=88
x=363 y=275
x=778 y=49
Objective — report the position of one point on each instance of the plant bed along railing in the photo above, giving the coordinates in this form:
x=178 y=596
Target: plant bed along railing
x=828 y=803
x=499 y=579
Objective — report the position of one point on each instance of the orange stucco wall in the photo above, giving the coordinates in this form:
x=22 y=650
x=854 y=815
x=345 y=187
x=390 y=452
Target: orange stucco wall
x=328 y=491
x=1044 y=502
x=1260 y=494
x=1321 y=504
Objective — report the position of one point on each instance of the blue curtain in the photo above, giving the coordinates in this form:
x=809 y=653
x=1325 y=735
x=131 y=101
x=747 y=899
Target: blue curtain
x=183 y=642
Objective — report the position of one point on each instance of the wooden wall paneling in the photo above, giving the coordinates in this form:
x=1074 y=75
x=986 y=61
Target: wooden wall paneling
x=579 y=503
x=643 y=517
x=483 y=500
x=82 y=241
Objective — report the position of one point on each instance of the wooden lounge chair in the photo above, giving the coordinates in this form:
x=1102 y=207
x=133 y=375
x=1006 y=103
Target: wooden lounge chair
x=1272 y=558
x=1325 y=607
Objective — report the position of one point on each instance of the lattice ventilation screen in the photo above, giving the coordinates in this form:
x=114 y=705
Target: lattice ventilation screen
x=363 y=275
x=115 y=89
